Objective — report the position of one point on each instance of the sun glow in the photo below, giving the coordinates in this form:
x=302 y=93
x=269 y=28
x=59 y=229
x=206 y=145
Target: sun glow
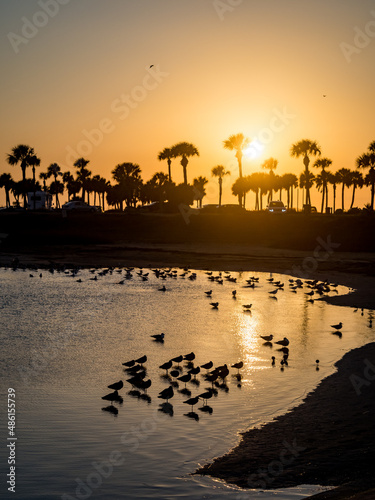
x=254 y=150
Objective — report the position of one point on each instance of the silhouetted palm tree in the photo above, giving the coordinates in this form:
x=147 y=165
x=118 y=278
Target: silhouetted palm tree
x=304 y=148
x=54 y=170
x=357 y=181
x=56 y=188
x=290 y=181
x=239 y=188
x=306 y=181
x=323 y=163
x=6 y=182
x=44 y=176
x=128 y=176
x=25 y=156
x=344 y=178
x=199 y=191
x=271 y=165
x=367 y=160
x=237 y=143
x=219 y=172
x=167 y=154
x=83 y=174
x=332 y=179
x=185 y=150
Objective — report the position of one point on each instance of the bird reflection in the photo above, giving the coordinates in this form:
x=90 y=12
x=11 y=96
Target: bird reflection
x=111 y=409
x=166 y=408
x=192 y=415
x=206 y=409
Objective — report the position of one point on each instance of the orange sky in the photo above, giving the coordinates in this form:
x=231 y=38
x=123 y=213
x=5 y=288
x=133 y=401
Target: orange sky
x=220 y=67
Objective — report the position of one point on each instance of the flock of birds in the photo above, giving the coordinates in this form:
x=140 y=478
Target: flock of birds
x=173 y=371
x=178 y=372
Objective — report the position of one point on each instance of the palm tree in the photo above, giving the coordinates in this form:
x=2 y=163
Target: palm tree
x=219 y=172
x=185 y=150
x=83 y=174
x=54 y=170
x=367 y=160
x=306 y=180
x=271 y=165
x=356 y=181
x=304 y=148
x=6 y=182
x=167 y=154
x=344 y=178
x=128 y=176
x=199 y=191
x=56 y=188
x=334 y=180
x=25 y=156
x=290 y=181
x=237 y=142
x=44 y=176
x=323 y=163
x=240 y=187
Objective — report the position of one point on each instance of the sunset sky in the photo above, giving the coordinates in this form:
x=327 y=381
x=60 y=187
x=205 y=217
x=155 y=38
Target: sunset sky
x=71 y=68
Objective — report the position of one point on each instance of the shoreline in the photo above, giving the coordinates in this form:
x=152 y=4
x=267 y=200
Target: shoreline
x=327 y=440
x=355 y=270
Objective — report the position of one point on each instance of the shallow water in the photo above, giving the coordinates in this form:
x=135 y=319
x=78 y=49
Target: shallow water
x=63 y=342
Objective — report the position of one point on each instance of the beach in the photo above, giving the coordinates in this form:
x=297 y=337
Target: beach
x=327 y=440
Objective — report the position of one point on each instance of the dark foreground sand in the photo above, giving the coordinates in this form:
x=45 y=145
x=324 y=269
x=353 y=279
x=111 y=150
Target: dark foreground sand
x=327 y=440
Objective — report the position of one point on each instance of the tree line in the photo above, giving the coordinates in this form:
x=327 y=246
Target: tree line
x=129 y=189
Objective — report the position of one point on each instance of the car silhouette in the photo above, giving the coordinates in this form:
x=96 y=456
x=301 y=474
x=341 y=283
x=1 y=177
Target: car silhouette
x=80 y=206
x=276 y=207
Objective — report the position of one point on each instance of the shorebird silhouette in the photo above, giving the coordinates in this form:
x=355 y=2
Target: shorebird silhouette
x=166 y=366
x=116 y=386
x=337 y=327
x=158 y=337
x=192 y=402
x=238 y=365
x=207 y=366
x=214 y=305
x=189 y=357
x=267 y=338
x=185 y=378
x=141 y=360
x=283 y=342
x=166 y=393
x=129 y=364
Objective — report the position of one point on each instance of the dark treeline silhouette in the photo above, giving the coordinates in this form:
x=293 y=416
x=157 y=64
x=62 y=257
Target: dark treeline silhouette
x=129 y=190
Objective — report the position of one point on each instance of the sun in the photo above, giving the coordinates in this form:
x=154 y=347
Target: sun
x=254 y=149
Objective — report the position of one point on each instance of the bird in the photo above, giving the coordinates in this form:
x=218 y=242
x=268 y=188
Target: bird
x=234 y=293
x=129 y=364
x=153 y=66
x=206 y=395
x=207 y=366
x=189 y=357
x=214 y=305
x=141 y=360
x=283 y=342
x=174 y=373
x=162 y=289
x=167 y=393
x=144 y=384
x=247 y=306
x=273 y=360
x=267 y=338
x=337 y=327
x=209 y=293
x=185 y=378
x=166 y=366
x=178 y=359
x=116 y=386
x=194 y=371
x=158 y=337
x=238 y=365
x=192 y=401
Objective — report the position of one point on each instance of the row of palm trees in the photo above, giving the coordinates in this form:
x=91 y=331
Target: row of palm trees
x=130 y=188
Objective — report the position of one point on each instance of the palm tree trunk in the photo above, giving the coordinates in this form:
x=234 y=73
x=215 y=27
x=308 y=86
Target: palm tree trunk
x=352 y=203
x=323 y=193
x=220 y=190
x=372 y=195
x=169 y=170
x=23 y=167
x=334 y=198
x=326 y=197
x=7 y=197
x=291 y=196
x=342 y=196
